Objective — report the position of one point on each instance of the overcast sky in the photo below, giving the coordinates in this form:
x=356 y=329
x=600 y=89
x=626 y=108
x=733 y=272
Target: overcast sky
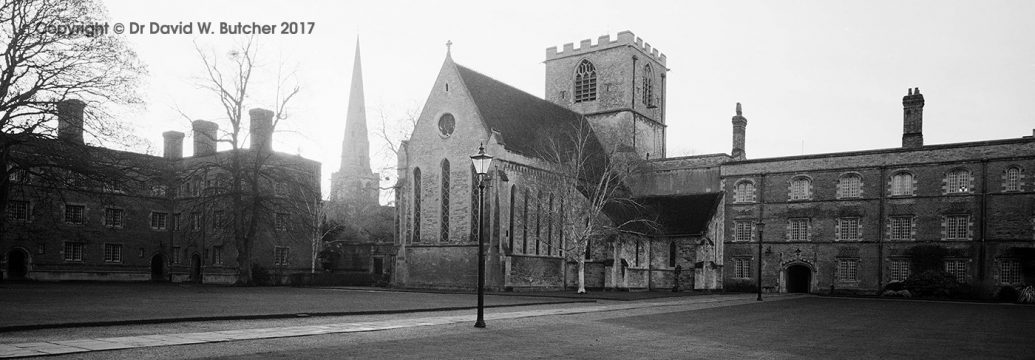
x=813 y=76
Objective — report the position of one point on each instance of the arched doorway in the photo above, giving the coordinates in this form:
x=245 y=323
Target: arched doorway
x=17 y=264
x=799 y=279
x=157 y=268
x=195 y=268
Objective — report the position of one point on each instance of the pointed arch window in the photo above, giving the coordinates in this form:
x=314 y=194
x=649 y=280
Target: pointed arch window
x=585 y=82
x=416 y=205
x=444 y=234
x=510 y=233
x=648 y=85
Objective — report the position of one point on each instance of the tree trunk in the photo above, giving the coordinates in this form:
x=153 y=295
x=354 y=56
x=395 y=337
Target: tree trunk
x=582 y=276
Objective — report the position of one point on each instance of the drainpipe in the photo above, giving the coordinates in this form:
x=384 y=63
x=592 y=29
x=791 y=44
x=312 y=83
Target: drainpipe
x=984 y=221
x=632 y=103
x=882 y=196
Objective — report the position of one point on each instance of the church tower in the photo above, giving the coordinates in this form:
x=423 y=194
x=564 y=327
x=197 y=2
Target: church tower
x=355 y=184
x=619 y=85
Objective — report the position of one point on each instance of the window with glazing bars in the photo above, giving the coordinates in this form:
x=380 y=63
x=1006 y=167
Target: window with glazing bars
x=742 y=267
x=1009 y=271
x=113 y=253
x=898 y=270
x=800 y=189
x=902 y=184
x=585 y=82
x=742 y=232
x=957 y=226
x=958 y=269
x=958 y=181
x=799 y=230
x=901 y=227
x=744 y=192
x=848 y=269
x=849 y=187
x=849 y=228
x=1012 y=181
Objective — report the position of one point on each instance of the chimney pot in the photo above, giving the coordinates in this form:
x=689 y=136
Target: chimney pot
x=204 y=137
x=261 y=129
x=70 y=120
x=173 y=145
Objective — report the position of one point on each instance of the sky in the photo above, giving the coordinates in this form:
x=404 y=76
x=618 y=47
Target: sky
x=813 y=76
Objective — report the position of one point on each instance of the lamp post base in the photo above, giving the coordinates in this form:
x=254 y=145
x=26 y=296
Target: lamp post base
x=479 y=324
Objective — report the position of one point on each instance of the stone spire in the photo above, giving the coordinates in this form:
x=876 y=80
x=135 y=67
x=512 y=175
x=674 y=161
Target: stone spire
x=355 y=183
x=355 y=149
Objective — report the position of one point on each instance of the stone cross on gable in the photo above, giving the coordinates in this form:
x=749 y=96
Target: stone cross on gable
x=449 y=45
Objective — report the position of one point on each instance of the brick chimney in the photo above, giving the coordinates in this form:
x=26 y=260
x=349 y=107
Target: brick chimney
x=70 y=120
x=173 y=145
x=204 y=137
x=262 y=129
x=913 y=119
x=739 y=129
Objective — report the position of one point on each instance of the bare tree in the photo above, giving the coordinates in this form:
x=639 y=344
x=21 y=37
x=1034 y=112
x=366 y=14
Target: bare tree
x=44 y=65
x=392 y=133
x=595 y=204
x=255 y=183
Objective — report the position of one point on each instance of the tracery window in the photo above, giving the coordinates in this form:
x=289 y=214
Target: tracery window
x=902 y=184
x=416 y=205
x=585 y=82
x=849 y=186
x=648 y=85
x=957 y=181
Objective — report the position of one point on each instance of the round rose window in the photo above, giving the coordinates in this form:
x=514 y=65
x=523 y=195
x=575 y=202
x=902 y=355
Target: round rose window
x=446 y=124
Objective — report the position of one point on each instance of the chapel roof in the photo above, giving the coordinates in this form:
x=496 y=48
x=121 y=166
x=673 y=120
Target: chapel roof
x=525 y=123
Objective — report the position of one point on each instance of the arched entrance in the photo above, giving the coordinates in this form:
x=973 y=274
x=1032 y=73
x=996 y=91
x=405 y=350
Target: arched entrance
x=195 y=268
x=157 y=268
x=17 y=264
x=799 y=279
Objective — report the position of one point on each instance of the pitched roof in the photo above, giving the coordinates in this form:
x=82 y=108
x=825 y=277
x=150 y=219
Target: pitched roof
x=524 y=122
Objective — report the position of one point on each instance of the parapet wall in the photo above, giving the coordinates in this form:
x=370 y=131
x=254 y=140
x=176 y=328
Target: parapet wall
x=625 y=38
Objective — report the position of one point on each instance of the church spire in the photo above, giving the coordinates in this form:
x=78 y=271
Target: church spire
x=355 y=149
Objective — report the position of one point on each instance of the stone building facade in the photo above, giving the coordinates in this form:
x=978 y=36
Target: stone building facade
x=616 y=89
x=357 y=238
x=157 y=218
x=833 y=222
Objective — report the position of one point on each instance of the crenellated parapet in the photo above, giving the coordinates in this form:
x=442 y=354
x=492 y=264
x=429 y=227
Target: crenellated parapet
x=625 y=38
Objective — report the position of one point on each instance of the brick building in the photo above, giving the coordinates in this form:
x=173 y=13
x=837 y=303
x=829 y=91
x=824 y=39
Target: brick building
x=842 y=221
x=846 y=221
x=131 y=217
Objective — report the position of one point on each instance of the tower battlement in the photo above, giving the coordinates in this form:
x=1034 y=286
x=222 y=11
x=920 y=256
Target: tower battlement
x=625 y=38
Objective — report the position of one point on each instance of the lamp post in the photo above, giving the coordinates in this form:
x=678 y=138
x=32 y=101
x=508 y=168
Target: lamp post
x=481 y=166
x=761 y=226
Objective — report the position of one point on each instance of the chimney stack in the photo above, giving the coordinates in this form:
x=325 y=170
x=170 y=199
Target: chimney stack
x=204 y=137
x=262 y=129
x=173 y=145
x=70 y=120
x=913 y=119
x=739 y=128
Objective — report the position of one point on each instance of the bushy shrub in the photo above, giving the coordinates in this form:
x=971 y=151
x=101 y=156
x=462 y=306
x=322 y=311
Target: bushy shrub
x=933 y=283
x=1027 y=295
x=895 y=286
x=740 y=286
x=1005 y=294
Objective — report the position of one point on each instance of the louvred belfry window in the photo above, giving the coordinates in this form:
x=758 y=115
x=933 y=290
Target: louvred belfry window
x=585 y=82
